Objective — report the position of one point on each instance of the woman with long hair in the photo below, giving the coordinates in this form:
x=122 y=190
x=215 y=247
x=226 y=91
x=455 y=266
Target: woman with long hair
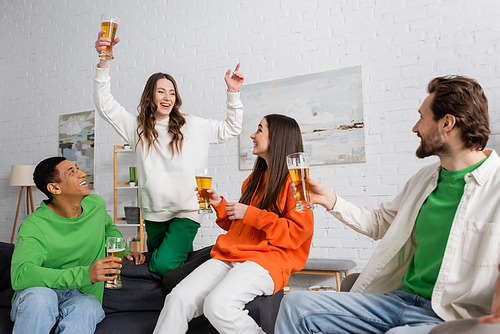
x=266 y=241
x=168 y=147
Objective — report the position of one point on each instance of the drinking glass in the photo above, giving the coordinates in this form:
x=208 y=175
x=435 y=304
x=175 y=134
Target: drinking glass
x=115 y=246
x=298 y=166
x=109 y=23
x=204 y=182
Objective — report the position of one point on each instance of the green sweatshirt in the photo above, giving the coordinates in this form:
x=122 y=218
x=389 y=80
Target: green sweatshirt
x=56 y=252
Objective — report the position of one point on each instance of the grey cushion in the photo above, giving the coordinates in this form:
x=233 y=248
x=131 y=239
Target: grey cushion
x=329 y=264
x=465 y=326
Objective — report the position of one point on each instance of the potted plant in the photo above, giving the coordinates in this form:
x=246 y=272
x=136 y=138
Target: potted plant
x=135 y=245
x=126 y=146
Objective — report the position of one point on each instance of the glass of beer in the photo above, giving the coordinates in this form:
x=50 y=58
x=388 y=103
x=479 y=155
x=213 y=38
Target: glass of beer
x=109 y=23
x=204 y=182
x=115 y=246
x=298 y=166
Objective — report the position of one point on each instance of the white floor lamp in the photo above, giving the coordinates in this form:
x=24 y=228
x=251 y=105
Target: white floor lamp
x=22 y=176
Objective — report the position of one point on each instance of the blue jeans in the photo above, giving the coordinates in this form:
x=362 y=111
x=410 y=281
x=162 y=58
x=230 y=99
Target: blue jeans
x=350 y=312
x=37 y=310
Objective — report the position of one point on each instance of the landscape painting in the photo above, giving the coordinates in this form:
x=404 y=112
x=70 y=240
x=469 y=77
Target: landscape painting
x=76 y=141
x=328 y=107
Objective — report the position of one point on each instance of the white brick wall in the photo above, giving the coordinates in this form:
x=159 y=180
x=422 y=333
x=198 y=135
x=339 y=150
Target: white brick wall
x=47 y=64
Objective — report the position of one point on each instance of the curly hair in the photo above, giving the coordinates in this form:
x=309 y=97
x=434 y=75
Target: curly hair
x=146 y=119
x=463 y=98
x=45 y=173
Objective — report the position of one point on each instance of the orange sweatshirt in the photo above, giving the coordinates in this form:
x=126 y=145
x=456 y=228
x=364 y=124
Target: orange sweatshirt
x=278 y=244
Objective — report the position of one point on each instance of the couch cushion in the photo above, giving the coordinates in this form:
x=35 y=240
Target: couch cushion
x=329 y=264
x=6 y=292
x=6 y=251
x=141 y=290
x=5 y=324
x=202 y=252
x=6 y=296
x=141 y=271
x=174 y=276
x=263 y=309
x=129 y=322
x=201 y=325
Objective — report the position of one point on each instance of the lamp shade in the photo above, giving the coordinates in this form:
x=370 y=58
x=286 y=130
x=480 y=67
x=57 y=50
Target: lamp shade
x=22 y=175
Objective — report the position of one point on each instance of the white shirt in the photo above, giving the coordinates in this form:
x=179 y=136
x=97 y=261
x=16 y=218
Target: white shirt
x=465 y=284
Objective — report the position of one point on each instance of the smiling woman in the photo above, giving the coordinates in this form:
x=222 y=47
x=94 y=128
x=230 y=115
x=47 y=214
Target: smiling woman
x=160 y=101
x=164 y=98
x=261 y=140
x=266 y=240
x=166 y=160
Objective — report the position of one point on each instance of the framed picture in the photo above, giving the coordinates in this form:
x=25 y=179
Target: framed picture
x=328 y=107
x=76 y=141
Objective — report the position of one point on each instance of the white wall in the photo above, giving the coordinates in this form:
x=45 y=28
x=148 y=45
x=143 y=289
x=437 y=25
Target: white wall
x=47 y=64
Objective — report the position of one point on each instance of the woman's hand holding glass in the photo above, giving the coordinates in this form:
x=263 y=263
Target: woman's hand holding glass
x=214 y=198
x=319 y=194
x=234 y=210
x=101 y=43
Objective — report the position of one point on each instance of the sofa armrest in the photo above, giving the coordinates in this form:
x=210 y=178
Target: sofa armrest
x=140 y=271
x=264 y=310
x=174 y=276
x=6 y=251
x=6 y=292
x=348 y=282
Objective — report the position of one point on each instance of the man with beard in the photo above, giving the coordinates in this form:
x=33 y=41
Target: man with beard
x=440 y=237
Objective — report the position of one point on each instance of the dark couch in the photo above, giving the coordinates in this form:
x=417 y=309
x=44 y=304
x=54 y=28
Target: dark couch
x=135 y=307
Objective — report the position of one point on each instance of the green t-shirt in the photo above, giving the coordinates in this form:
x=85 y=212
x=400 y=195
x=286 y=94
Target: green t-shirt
x=56 y=252
x=433 y=227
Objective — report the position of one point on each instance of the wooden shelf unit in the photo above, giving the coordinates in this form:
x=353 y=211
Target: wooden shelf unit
x=122 y=186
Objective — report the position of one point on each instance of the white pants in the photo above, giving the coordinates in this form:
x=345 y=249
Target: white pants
x=220 y=290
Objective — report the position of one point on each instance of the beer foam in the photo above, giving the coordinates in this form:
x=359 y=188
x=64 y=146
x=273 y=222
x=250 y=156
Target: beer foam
x=115 y=250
